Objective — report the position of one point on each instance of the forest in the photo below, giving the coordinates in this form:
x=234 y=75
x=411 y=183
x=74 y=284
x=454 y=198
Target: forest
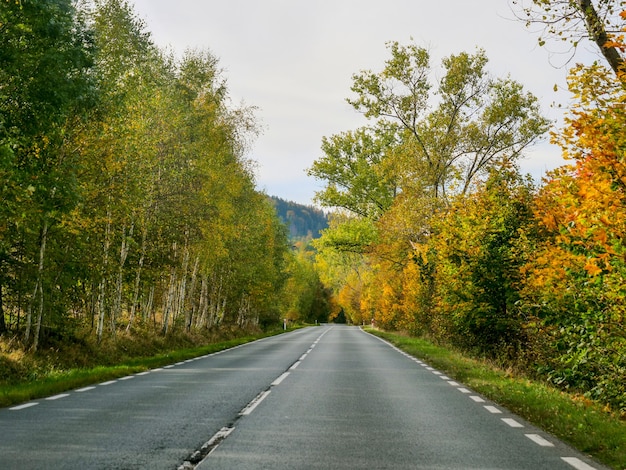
x=303 y=222
x=439 y=234
x=129 y=207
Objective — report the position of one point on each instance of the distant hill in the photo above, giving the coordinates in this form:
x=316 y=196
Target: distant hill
x=302 y=221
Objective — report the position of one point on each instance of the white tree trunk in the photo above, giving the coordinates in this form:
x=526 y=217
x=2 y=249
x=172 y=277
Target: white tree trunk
x=102 y=286
x=189 y=312
x=42 y=252
x=142 y=256
x=117 y=306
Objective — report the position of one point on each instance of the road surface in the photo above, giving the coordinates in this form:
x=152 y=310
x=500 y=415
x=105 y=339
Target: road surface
x=331 y=397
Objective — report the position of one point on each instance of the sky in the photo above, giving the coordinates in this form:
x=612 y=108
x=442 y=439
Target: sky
x=293 y=60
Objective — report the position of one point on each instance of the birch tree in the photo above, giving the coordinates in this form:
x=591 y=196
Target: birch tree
x=44 y=68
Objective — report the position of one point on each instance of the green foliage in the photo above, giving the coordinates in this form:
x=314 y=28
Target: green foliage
x=475 y=123
x=305 y=298
x=141 y=212
x=478 y=264
x=355 y=172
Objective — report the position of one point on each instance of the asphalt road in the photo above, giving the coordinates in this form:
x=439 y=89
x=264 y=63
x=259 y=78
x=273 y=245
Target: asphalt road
x=331 y=397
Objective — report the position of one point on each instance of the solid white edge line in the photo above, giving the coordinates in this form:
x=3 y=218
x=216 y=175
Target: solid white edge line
x=25 y=405
x=60 y=395
x=282 y=377
x=537 y=439
x=254 y=403
x=577 y=463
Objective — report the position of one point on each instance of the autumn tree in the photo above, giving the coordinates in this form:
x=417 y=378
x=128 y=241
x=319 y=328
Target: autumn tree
x=480 y=250
x=432 y=141
x=574 y=288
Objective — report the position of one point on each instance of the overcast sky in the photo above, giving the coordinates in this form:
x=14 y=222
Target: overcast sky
x=294 y=59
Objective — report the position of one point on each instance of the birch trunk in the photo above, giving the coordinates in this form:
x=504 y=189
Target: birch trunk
x=29 y=313
x=203 y=303
x=168 y=302
x=42 y=252
x=148 y=308
x=142 y=256
x=117 y=306
x=3 y=325
x=182 y=285
x=102 y=285
x=189 y=312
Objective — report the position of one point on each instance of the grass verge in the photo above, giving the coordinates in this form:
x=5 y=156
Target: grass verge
x=57 y=381
x=574 y=419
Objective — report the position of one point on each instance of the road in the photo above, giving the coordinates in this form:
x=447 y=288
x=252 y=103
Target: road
x=329 y=397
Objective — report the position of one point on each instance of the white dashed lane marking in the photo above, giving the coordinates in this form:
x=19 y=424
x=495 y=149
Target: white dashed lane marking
x=280 y=379
x=577 y=463
x=537 y=439
x=56 y=397
x=492 y=409
x=25 y=405
x=511 y=422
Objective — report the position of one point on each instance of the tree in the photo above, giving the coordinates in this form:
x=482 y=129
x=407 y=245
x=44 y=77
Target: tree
x=477 y=123
x=575 y=278
x=354 y=168
x=432 y=143
x=571 y=21
x=45 y=61
x=479 y=257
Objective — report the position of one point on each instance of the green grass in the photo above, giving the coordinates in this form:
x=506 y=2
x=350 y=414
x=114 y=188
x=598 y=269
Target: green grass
x=581 y=423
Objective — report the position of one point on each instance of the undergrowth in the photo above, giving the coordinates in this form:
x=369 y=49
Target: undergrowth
x=81 y=360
